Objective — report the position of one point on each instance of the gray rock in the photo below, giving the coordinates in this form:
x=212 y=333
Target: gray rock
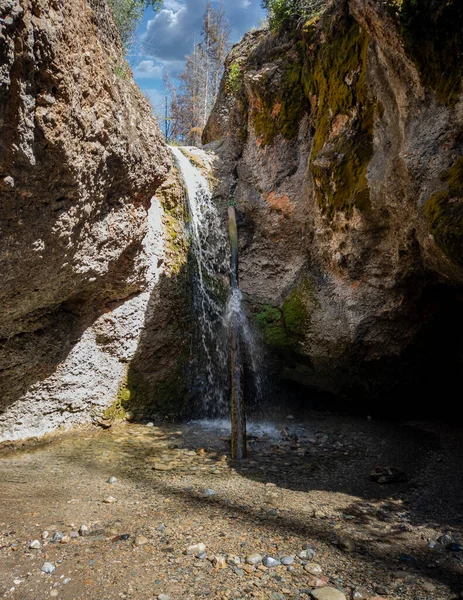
x=327 y=593
x=84 y=530
x=35 y=545
x=306 y=554
x=270 y=562
x=210 y=492
x=48 y=568
x=66 y=580
x=57 y=536
x=313 y=568
x=112 y=480
x=253 y=559
x=286 y=560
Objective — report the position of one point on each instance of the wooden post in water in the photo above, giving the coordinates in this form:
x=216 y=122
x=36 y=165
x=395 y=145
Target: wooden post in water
x=238 y=414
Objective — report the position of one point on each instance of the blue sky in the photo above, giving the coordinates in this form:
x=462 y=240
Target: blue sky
x=164 y=39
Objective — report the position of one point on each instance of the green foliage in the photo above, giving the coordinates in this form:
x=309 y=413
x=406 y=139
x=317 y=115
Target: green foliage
x=444 y=212
x=336 y=77
x=122 y=70
x=433 y=35
x=235 y=78
x=287 y=13
x=127 y=14
x=116 y=411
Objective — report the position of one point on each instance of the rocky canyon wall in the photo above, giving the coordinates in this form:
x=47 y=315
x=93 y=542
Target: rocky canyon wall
x=341 y=145
x=84 y=241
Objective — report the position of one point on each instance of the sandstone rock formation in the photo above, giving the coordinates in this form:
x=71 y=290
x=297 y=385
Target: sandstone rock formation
x=82 y=243
x=341 y=146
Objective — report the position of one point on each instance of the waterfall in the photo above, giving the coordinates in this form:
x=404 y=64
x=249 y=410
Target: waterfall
x=218 y=306
x=209 y=246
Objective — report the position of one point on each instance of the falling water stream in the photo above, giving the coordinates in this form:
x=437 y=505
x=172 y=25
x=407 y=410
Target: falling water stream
x=218 y=306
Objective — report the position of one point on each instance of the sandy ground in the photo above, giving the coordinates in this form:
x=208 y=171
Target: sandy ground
x=309 y=487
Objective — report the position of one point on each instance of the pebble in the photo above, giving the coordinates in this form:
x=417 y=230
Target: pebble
x=83 y=531
x=196 y=549
x=219 y=562
x=54 y=593
x=45 y=534
x=109 y=500
x=48 y=568
x=233 y=560
x=306 y=554
x=444 y=539
x=57 y=536
x=141 y=540
x=327 y=593
x=66 y=580
x=112 y=480
x=210 y=492
x=346 y=543
x=270 y=562
x=313 y=568
x=286 y=560
x=454 y=547
x=253 y=559
x=163 y=597
x=35 y=545
x=150 y=424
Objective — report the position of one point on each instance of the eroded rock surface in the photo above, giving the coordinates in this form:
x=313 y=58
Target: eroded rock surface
x=81 y=159
x=342 y=151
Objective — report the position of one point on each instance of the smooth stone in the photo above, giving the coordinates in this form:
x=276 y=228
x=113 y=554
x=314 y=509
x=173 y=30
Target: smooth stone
x=109 y=500
x=201 y=555
x=141 y=540
x=150 y=424
x=313 y=568
x=306 y=554
x=327 y=593
x=286 y=560
x=163 y=597
x=271 y=562
x=66 y=581
x=45 y=535
x=54 y=593
x=48 y=568
x=196 y=549
x=112 y=480
x=253 y=559
x=84 y=530
x=35 y=545
x=210 y=492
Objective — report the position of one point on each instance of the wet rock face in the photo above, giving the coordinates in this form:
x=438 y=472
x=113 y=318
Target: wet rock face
x=80 y=160
x=343 y=158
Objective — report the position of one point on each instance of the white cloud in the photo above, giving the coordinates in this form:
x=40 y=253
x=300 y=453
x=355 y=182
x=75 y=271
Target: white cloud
x=147 y=69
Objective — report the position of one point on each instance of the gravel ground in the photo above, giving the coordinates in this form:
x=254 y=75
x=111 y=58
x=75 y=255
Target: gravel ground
x=305 y=493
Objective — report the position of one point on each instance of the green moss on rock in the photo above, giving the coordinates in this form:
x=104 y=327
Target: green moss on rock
x=280 y=108
x=117 y=411
x=335 y=77
x=433 y=37
x=283 y=329
x=444 y=213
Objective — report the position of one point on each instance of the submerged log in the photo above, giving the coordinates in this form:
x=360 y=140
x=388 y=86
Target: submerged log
x=238 y=415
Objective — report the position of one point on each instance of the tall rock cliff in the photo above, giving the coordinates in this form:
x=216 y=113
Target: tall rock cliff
x=83 y=239
x=341 y=144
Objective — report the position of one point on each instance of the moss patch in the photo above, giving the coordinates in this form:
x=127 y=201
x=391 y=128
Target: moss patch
x=444 y=213
x=283 y=329
x=433 y=37
x=334 y=75
x=279 y=108
x=116 y=411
